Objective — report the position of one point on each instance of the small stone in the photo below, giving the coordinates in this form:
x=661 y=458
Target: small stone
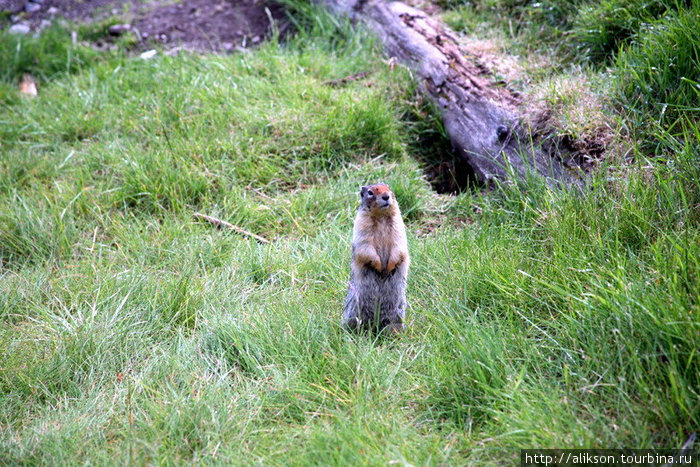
x=31 y=7
x=118 y=29
x=52 y=10
x=256 y=39
x=228 y=46
x=45 y=23
x=28 y=85
x=19 y=28
x=148 y=54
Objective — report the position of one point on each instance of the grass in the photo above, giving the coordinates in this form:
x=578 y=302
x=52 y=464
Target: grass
x=131 y=332
x=661 y=92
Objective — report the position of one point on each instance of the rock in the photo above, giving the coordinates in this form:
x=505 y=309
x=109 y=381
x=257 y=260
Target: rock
x=28 y=85
x=52 y=10
x=119 y=29
x=31 y=7
x=19 y=28
x=148 y=54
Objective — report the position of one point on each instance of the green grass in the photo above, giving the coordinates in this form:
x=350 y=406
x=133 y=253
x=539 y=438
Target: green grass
x=579 y=30
x=658 y=79
x=131 y=332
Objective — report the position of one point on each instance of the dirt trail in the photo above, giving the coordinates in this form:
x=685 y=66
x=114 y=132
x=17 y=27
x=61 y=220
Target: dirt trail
x=202 y=25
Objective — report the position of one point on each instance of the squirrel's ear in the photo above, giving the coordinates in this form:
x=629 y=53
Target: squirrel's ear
x=363 y=190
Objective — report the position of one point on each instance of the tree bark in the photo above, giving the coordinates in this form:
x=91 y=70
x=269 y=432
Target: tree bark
x=482 y=119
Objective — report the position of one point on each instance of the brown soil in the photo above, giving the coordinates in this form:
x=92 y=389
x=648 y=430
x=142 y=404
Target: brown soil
x=202 y=25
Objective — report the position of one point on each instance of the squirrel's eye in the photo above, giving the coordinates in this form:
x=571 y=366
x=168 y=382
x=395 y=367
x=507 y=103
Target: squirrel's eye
x=370 y=193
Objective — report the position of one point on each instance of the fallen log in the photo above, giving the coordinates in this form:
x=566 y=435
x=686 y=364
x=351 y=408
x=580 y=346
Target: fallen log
x=481 y=118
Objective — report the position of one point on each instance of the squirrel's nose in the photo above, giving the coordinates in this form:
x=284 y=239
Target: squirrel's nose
x=385 y=197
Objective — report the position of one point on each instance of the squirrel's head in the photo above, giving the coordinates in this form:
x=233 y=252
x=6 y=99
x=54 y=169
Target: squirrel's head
x=377 y=199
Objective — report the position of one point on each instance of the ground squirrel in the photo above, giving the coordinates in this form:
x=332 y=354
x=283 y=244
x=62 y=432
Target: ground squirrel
x=377 y=291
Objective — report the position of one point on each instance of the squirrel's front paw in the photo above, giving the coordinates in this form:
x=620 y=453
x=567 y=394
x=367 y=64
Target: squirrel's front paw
x=393 y=263
x=375 y=264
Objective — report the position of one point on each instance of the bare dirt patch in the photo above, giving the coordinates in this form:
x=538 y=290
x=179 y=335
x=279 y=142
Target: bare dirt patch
x=202 y=25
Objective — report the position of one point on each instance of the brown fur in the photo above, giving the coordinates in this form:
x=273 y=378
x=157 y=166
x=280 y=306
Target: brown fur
x=379 y=235
x=380 y=260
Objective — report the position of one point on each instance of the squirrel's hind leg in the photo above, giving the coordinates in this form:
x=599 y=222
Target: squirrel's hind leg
x=351 y=317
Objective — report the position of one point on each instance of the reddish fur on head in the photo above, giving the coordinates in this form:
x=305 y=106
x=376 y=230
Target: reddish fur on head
x=378 y=199
x=380 y=188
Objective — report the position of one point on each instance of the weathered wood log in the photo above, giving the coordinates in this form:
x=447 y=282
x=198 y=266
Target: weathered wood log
x=481 y=118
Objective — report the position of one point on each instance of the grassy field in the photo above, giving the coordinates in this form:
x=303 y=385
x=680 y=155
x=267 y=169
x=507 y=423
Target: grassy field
x=131 y=332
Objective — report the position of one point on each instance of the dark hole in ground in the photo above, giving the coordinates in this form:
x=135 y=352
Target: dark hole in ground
x=447 y=173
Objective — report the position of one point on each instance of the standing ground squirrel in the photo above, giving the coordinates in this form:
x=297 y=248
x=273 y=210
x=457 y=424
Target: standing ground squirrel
x=377 y=291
